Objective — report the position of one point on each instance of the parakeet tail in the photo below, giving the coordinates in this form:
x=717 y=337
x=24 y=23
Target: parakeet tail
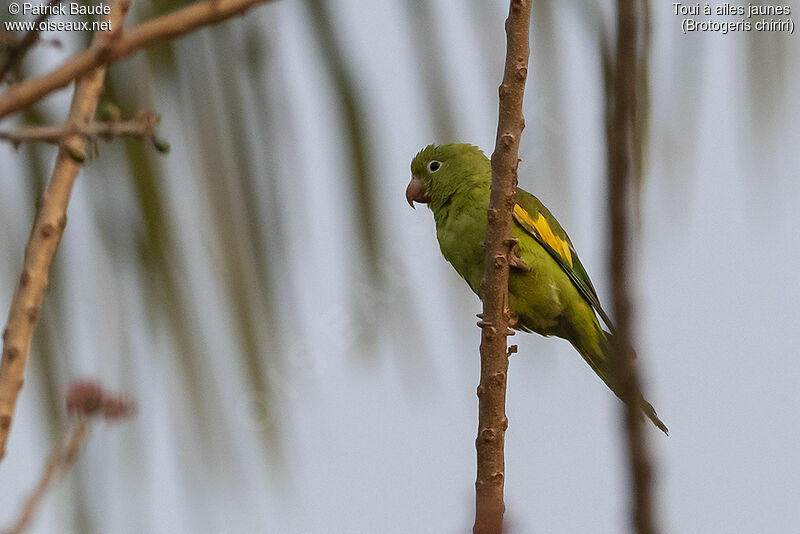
x=596 y=355
x=651 y=414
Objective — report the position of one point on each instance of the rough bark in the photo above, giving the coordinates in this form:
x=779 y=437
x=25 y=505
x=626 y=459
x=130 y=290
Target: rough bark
x=492 y=421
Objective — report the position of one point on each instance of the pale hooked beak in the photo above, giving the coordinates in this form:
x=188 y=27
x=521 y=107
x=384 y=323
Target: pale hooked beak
x=415 y=192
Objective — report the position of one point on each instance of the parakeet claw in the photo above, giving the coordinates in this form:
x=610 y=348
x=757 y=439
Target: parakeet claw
x=512 y=318
x=515 y=263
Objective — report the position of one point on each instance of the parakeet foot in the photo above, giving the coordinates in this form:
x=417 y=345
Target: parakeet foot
x=512 y=318
x=515 y=263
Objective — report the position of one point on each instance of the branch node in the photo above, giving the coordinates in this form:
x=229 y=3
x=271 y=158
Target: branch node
x=77 y=154
x=487 y=327
x=48 y=230
x=160 y=144
x=12 y=353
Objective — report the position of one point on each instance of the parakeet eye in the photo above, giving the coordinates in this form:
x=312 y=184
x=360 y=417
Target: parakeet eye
x=434 y=166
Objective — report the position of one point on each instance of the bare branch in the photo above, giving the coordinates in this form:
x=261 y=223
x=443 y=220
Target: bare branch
x=623 y=146
x=44 y=239
x=118 y=44
x=59 y=462
x=143 y=126
x=492 y=421
x=88 y=400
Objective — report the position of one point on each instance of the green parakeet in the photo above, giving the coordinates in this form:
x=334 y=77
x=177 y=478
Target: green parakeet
x=549 y=291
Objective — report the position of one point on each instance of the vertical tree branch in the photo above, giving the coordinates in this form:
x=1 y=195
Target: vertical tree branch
x=48 y=228
x=492 y=421
x=623 y=169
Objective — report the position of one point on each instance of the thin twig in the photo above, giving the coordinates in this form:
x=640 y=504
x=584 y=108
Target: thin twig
x=44 y=239
x=18 y=51
x=143 y=126
x=106 y=51
x=88 y=400
x=59 y=462
x=492 y=421
x=623 y=144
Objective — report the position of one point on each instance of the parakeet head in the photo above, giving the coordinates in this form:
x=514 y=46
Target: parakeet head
x=438 y=172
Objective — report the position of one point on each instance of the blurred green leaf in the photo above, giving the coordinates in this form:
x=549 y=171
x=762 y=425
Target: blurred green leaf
x=364 y=197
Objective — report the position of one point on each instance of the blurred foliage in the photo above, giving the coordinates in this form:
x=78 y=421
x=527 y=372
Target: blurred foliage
x=432 y=56
x=355 y=125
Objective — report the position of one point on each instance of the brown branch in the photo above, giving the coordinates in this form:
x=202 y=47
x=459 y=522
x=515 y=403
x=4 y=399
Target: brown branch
x=492 y=421
x=18 y=51
x=48 y=228
x=143 y=126
x=624 y=143
x=105 y=51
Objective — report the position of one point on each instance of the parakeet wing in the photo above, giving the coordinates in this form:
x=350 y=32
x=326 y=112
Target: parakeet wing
x=536 y=220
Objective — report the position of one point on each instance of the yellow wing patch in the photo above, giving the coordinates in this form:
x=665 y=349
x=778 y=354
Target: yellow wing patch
x=540 y=229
